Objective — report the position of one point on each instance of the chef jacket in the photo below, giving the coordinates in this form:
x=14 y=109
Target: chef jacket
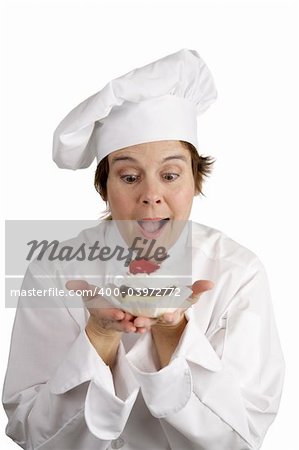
x=220 y=391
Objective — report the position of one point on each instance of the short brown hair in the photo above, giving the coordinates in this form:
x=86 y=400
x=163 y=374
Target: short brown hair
x=201 y=168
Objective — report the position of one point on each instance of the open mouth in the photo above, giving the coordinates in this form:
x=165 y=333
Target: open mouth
x=152 y=228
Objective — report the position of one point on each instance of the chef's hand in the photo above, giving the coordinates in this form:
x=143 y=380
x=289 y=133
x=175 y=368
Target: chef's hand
x=103 y=320
x=175 y=318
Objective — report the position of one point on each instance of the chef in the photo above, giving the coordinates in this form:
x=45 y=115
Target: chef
x=207 y=376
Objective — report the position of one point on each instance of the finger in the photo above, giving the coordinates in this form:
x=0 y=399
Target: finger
x=123 y=326
x=144 y=322
x=172 y=318
x=128 y=316
x=201 y=286
x=141 y=330
x=169 y=318
x=108 y=314
x=128 y=327
x=76 y=285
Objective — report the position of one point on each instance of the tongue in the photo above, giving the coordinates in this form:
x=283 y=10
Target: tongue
x=151 y=227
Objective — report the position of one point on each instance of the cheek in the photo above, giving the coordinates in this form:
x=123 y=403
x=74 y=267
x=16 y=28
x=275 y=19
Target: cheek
x=119 y=201
x=115 y=197
x=186 y=196
x=183 y=193
x=181 y=202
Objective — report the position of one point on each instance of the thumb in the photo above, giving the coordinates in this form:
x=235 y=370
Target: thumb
x=201 y=286
x=88 y=291
x=75 y=285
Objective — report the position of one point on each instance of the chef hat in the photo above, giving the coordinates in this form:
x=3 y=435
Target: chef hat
x=159 y=101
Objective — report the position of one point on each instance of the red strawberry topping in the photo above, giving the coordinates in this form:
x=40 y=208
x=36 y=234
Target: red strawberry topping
x=142 y=266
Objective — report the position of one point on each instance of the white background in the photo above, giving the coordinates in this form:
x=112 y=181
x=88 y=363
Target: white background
x=57 y=53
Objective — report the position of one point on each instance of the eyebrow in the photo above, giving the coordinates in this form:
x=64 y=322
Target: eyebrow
x=131 y=159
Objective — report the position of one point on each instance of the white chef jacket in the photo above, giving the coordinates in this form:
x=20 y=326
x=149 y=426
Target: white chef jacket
x=220 y=391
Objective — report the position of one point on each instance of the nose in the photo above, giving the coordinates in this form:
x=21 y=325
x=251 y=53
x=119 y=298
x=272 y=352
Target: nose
x=150 y=195
x=151 y=201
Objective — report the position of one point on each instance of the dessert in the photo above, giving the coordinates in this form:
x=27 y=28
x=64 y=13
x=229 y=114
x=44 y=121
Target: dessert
x=148 y=290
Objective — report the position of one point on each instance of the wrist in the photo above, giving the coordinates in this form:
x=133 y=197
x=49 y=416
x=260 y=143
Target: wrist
x=105 y=342
x=166 y=338
x=93 y=328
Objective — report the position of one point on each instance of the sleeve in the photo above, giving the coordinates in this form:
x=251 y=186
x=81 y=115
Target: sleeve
x=221 y=389
x=57 y=383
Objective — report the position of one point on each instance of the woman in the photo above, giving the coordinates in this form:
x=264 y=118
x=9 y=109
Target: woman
x=205 y=376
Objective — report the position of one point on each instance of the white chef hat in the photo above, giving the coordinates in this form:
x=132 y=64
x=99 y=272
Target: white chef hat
x=160 y=101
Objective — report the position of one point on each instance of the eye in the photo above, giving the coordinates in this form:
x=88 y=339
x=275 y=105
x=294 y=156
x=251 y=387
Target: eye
x=130 y=179
x=170 y=176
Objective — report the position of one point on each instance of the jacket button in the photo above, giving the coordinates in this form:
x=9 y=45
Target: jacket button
x=117 y=443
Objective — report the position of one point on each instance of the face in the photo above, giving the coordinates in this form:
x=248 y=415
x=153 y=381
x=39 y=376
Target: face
x=151 y=185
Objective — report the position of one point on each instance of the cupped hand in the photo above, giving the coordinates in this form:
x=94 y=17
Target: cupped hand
x=104 y=319
x=174 y=318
